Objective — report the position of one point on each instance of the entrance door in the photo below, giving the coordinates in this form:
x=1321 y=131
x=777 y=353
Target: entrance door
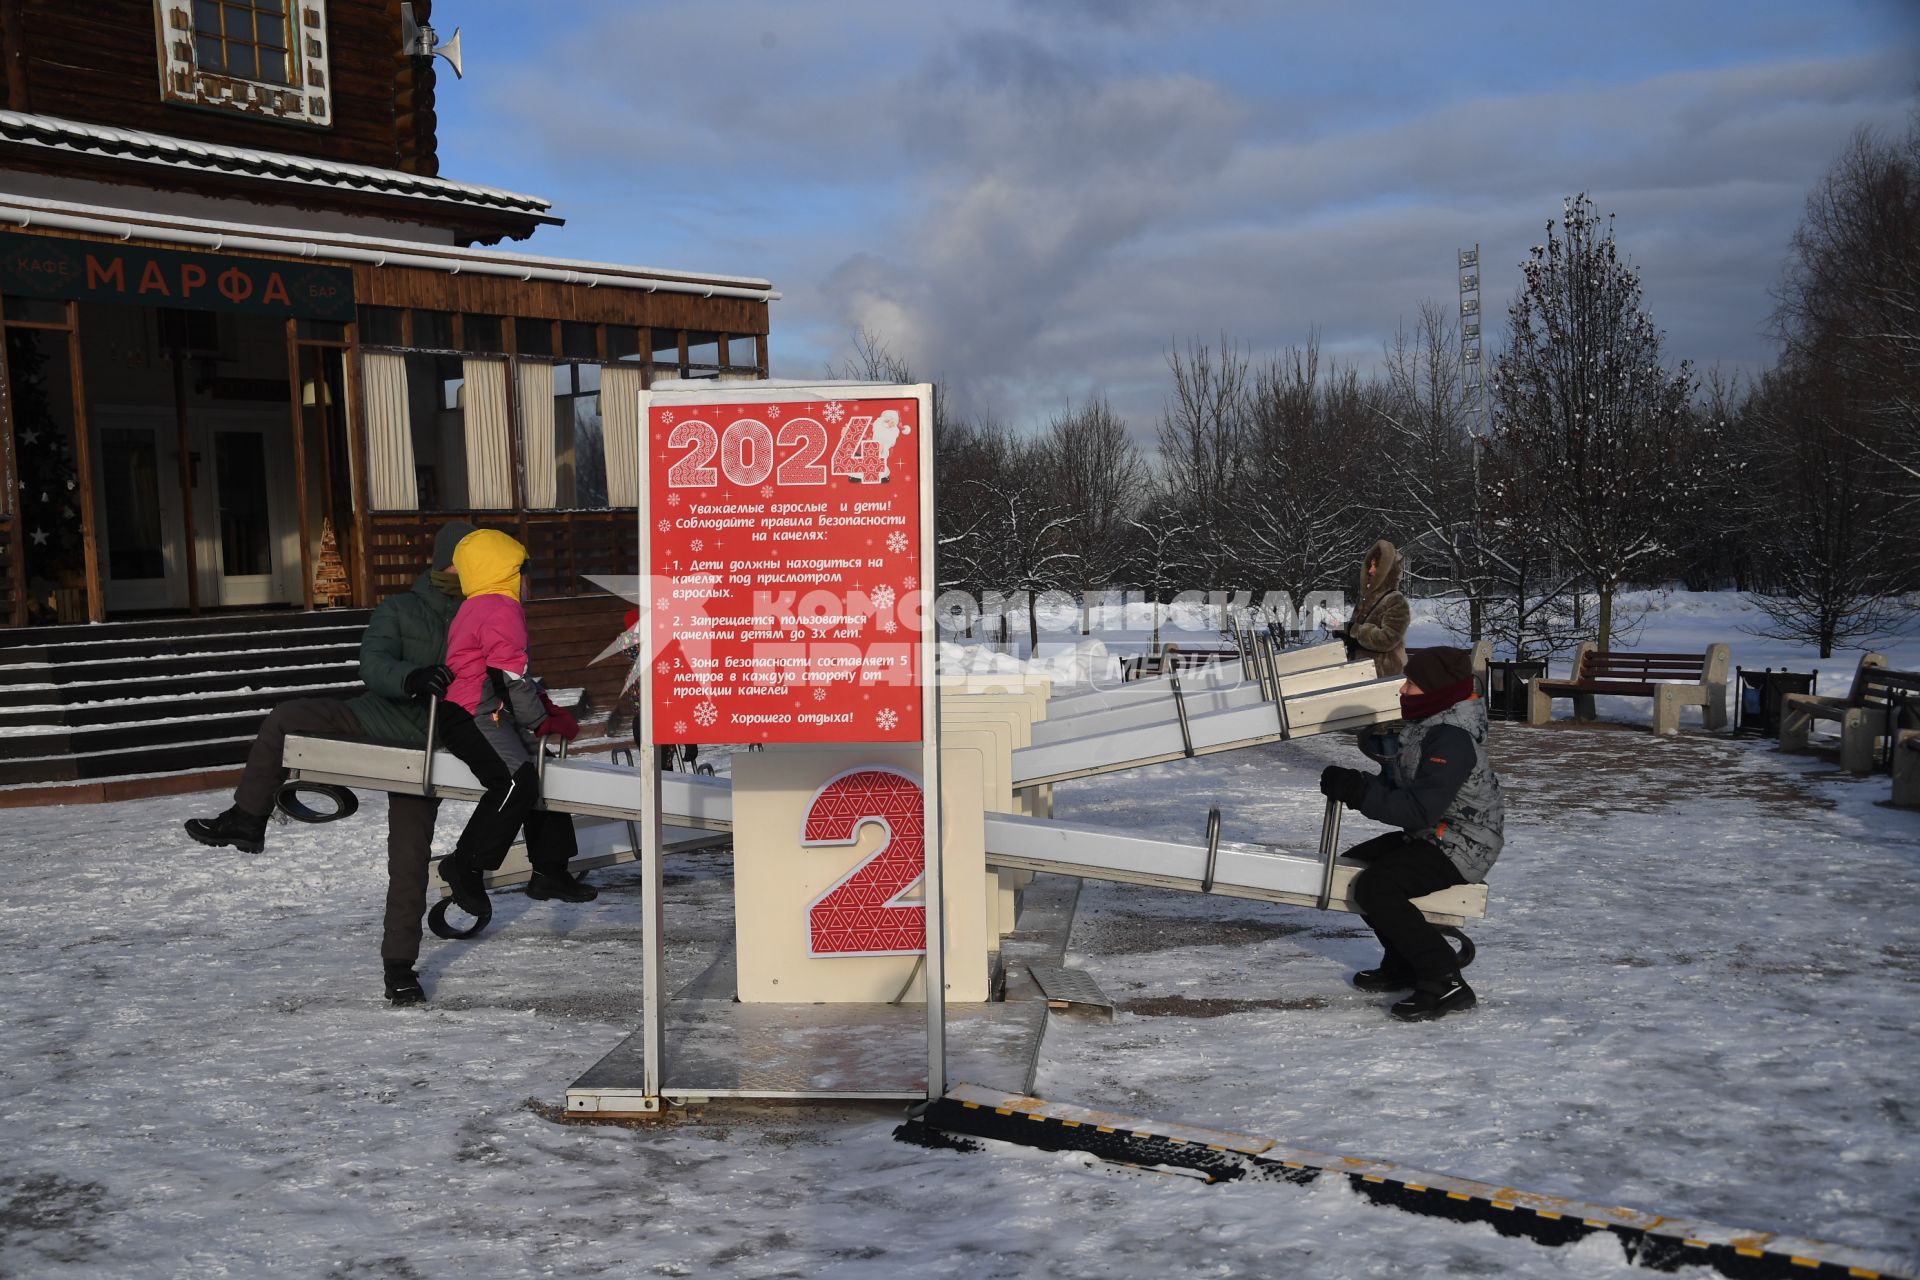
x=245 y=517
x=245 y=523
x=136 y=465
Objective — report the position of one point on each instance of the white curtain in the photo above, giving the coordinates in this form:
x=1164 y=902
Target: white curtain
x=536 y=434
x=483 y=394
x=620 y=419
x=389 y=434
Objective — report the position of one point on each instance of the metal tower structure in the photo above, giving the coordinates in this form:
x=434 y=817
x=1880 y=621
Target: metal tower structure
x=1473 y=381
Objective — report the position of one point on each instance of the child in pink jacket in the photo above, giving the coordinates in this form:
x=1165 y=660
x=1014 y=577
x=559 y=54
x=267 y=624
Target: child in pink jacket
x=496 y=713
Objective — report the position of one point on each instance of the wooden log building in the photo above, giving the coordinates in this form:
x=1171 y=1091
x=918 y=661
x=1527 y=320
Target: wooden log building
x=257 y=349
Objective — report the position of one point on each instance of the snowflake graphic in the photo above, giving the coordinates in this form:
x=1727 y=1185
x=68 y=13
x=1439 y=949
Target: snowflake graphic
x=673 y=499
x=679 y=728
x=706 y=713
x=662 y=667
x=698 y=545
x=909 y=583
x=766 y=491
x=887 y=626
x=820 y=693
x=665 y=526
x=773 y=411
x=666 y=415
x=834 y=411
x=896 y=542
x=882 y=598
x=887 y=718
x=661 y=604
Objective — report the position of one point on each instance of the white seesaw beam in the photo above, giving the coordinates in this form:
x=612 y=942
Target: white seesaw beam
x=1229 y=674
x=1163 y=709
x=1349 y=707
x=593 y=787
x=1101 y=853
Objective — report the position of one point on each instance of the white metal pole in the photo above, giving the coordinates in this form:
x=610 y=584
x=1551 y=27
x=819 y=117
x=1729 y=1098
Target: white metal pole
x=652 y=939
x=935 y=895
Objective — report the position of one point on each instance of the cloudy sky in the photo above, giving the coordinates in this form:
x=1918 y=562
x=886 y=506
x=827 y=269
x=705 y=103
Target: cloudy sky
x=1032 y=200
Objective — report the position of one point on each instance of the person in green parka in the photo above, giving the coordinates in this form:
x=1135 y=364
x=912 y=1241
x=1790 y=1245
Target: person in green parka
x=402 y=662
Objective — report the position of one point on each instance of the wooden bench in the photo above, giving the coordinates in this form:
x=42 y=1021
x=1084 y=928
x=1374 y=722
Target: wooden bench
x=1171 y=658
x=1881 y=702
x=1672 y=680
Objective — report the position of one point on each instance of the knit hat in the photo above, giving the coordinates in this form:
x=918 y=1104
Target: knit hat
x=447 y=539
x=1439 y=668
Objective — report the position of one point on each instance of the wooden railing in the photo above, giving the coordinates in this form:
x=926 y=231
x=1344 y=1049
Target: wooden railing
x=564 y=547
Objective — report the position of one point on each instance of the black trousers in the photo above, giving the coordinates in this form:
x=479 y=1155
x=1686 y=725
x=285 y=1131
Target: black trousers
x=507 y=807
x=409 y=818
x=260 y=780
x=1399 y=869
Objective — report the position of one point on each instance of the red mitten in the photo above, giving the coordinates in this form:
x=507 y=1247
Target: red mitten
x=559 y=723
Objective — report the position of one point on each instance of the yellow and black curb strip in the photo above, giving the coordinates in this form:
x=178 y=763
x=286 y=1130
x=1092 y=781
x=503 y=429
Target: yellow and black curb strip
x=968 y=1115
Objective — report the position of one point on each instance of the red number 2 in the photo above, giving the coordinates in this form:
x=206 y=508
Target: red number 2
x=861 y=914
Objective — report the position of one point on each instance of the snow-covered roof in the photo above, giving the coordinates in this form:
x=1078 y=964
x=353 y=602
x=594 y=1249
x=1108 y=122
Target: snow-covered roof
x=74 y=136
x=27 y=213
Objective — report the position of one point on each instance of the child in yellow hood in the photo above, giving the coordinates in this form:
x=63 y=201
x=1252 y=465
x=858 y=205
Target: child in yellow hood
x=496 y=715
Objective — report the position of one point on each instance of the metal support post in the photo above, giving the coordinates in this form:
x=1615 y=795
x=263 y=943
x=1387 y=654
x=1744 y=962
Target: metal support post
x=1329 y=849
x=1180 y=708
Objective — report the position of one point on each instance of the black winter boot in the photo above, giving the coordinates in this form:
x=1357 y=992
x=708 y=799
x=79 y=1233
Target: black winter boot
x=468 y=887
x=235 y=827
x=403 y=985
x=1388 y=975
x=1436 y=999
x=561 y=885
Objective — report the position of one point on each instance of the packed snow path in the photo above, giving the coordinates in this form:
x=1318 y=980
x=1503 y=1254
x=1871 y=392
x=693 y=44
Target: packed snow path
x=1698 y=994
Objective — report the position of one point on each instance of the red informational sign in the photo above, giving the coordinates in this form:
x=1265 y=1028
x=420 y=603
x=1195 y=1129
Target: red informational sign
x=785 y=563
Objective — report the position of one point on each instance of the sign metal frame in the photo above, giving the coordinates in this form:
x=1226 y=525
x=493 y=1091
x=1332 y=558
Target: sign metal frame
x=654 y=1021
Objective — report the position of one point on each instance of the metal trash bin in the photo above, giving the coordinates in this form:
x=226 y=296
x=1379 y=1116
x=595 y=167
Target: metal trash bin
x=1508 y=686
x=1759 y=695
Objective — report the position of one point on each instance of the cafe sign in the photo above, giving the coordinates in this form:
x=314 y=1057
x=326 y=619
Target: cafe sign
x=92 y=271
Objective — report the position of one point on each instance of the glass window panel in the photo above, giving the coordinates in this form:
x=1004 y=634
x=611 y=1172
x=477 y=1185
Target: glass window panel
x=273 y=66
x=533 y=337
x=206 y=17
x=578 y=340
x=433 y=329
x=270 y=29
x=480 y=333
x=437 y=419
x=240 y=463
x=380 y=326
x=579 y=441
x=623 y=342
x=130 y=478
x=40 y=391
x=666 y=347
x=703 y=355
x=209 y=54
x=323 y=330
x=36 y=310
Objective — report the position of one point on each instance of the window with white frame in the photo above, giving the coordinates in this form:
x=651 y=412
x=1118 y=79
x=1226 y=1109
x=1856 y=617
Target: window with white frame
x=257 y=57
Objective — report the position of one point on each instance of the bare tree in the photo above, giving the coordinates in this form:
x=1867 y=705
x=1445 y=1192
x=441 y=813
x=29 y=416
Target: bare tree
x=1023 y=528
x=1849 y=302
x=1582 y=391
x=1531 y=607
x=1203 y=446
x=1161 y=550
x=873 y=360
x=1303 y=492
x=1430 y=453
x=1822 y=529
x=1098 y=474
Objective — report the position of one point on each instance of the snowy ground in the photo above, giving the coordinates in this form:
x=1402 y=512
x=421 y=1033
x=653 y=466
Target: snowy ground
x=1698 y=987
